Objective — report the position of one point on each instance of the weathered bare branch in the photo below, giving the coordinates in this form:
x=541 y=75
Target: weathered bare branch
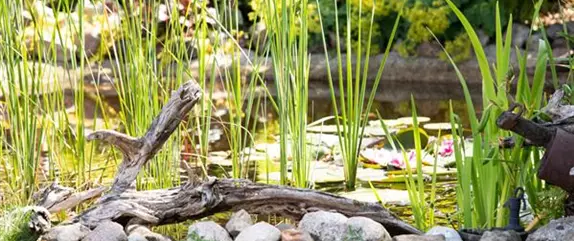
x=77 y=198
x=137 y=152
x=158 y=207
x=128 y=145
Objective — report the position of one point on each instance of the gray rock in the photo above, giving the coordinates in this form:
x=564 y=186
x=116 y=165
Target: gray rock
x=238 y=222
x=428 y=49
x=448 y=233
x=413 y=237
x=560 y=52
x=261 y=231
x=499 y=235
x=520 y=34
x=107 y=231
x=259 y=34
x=368 y=229
x=533 y=42
x=324 y=226
x=559 y=43
x=209 y=231
x=284 y=226
x=137 y=237
x=482 y=37
x=553 y=31
x=73 y=232
x=137 y=232
x=490 y=52
x=559 y=229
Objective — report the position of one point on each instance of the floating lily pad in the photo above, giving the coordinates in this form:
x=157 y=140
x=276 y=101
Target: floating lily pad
x=439 y=126
x=332 y=129
x=388 y=122
x=392 y=178
x=440 y=171
x=372 y=166
x=331 y=175
x=388 y=196
x=370 y=174
x=409 y=120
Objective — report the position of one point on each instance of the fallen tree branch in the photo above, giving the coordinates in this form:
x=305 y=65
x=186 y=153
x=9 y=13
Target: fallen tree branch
x=138 y=151
x=158 y=207
x=125 y=205
x=57 y=198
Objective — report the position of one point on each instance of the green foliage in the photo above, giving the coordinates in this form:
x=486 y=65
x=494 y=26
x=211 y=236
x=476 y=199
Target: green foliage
x=487 y=175
x=551 y=203
x=417 y=16
x=423 y=210
x=481 y=15
x=460 y=47
x=14 y=225
x=352 y=88
x=421 y=17
x=288 y=49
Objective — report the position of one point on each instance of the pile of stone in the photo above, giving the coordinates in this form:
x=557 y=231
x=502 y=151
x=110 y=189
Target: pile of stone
x=315 y=226
x=106 y=231
x=329 y=226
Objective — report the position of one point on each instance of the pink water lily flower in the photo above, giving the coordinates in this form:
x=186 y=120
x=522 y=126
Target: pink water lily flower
x=446 y=148
x=398 y=160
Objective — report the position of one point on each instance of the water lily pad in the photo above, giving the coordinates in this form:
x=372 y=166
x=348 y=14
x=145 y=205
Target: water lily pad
x=439 y=126
x=388 y=196
x=388 y=122
x=330 y=175
x=332 y=129
x=440 y=171
x=370 y=174
x=409 y=120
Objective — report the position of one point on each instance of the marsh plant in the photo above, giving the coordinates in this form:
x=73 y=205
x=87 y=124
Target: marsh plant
x=351 y=101
x=288 y=38
x=14 y=225
x=488 y=174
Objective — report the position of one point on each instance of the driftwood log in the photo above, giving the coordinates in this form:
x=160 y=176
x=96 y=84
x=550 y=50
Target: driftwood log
x=123 y=204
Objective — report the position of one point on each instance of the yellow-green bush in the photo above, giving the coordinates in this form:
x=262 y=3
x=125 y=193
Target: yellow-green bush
x=421 y=17
x=418 y=17
x=459 y=48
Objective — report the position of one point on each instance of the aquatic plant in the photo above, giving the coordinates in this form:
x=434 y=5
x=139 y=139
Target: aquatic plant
x=288 y=33
x=488 y=175
x=352 y=96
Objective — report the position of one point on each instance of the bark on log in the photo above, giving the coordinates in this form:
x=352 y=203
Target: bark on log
x=125 y=205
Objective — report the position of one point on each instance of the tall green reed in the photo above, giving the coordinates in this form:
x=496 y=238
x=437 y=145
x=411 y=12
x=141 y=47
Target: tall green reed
x=487 y=176
x=22 y=103
x=423 y=211
x=32 y=85
x=243 y=102
x=350 y=105
x=288 y=35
